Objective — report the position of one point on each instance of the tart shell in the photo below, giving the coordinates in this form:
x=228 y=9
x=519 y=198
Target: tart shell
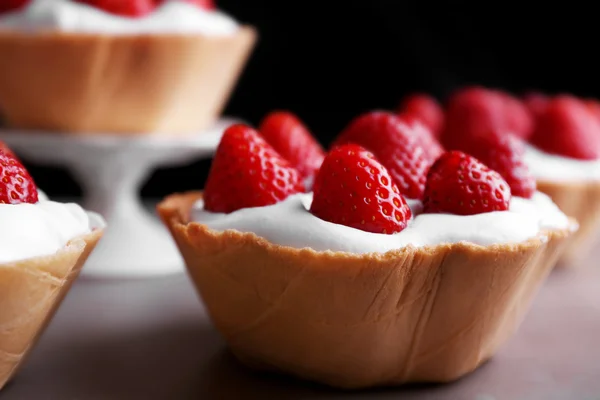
x=580 y=201
x=86 y=83
x=30 y=292
x=429 y=314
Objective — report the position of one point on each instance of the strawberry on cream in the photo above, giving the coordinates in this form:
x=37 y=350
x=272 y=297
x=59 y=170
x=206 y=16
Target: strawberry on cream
x=175 y=17
x=290 y=223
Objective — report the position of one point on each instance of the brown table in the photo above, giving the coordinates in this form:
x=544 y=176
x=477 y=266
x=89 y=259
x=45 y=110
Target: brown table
x=151 y=339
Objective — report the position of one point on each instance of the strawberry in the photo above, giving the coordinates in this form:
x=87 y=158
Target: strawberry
x=248 y=172
x=206 y=4
x=519 y=120
x=286 y=133
x=567 y=127
x=594 y=107
x=504 y=154
x=4 y=148
x=535 y=102
x=398 y=144
x=459 y=184
x=432 y=147
x=125 y=8
x=354 y=190
x=16 y=185
x=472 y=112
x=425 y=108
x=477 y=111
x=12 y=5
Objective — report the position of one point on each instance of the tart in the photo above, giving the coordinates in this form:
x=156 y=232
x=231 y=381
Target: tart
x=581 y=201
x=561 y=149
x=43 y=247
x=564 y=156
x=169 y=71
x=353 y=285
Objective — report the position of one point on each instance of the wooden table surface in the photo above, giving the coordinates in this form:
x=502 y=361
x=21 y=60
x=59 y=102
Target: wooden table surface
x=151 y=339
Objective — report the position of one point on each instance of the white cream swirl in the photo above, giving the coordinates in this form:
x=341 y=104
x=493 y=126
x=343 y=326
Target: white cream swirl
x=32 y=230
x=173 y=17
x=553 y=167
x=289 y=223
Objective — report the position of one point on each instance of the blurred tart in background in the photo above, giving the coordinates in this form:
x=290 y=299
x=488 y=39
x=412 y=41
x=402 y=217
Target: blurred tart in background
x=127 y=67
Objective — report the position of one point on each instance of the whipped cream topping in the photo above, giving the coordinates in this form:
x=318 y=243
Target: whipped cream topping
x=32 y=230
x=175 y=17
x=554 y=167
x=289 y=223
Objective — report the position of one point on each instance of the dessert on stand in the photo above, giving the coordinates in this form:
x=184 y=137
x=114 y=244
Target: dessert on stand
x=129 y=67
x=112 y=90
x=355 y=284
x=43 y=246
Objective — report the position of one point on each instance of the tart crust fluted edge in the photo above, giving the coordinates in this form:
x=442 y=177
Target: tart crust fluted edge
x=30 y=293
x=580 y=201
x=118 y=84
x=428 y=314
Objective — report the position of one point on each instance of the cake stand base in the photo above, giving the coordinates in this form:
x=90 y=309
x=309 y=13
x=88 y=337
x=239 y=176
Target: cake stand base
x=111 y=170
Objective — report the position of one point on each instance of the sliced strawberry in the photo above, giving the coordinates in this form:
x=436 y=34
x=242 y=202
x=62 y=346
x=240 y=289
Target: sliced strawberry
x=459 y=184
x=126 y=8
x=427 y=109
x=12 y=5
x=248 y=172
x=504 y=154
x=535 y=102
x=288 y=135
x=16 y=185
x=354 y=190
x=567 y=127
x=398 y=143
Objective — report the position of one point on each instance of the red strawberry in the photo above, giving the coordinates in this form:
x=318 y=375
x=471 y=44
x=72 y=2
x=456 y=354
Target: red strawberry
x=16 y=185
x=504 y=154
x=519 y=120
x=248 y=172
x=206 y=4
x=4 y=148
x=594 y=107
x=477 y=111
x=567 y=127
x=286 y=133
x=535 y=102
x=397 y=144
x=425 y=108
x=126 y=8
x=459 y=184
x=424 y=137
x=12 y=5
x=354 y=190
x=472 y=112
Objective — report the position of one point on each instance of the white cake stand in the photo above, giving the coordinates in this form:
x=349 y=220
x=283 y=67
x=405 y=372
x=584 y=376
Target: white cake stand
x=111 y=170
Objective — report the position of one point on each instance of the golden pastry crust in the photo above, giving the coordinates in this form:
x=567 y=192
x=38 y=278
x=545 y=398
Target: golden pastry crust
x=86 y=83
x=30 y=292
x=580 y=201
x=352 y=321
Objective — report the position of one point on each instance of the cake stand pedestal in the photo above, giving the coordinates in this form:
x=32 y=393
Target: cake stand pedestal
x=111 y=170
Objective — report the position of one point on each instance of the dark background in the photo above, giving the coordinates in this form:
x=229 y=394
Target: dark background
x=330 y=60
